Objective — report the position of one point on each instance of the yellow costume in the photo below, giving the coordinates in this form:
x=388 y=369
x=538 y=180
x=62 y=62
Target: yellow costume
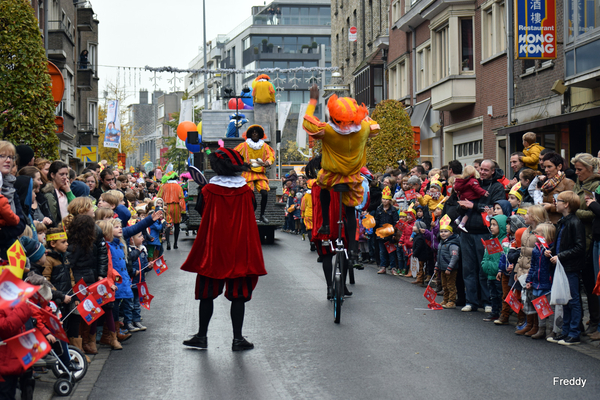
x=430 y=202
x=344 y=142
x=264 y=91
x=251 y=150
x=306 y=205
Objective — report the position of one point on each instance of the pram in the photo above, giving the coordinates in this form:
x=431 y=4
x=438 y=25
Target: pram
x=65 y=378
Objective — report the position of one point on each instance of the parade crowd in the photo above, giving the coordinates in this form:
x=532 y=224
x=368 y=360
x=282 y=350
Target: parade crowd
x=547 y=212
x=104 y=223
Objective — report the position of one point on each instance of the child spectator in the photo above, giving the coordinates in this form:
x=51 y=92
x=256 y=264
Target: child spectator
x=108 y=200
x=36 y=254
x=489 y=265
x=569 y=248
x=121 y=208
x=433 y=198
x=529 y=180
x=532 y=151
x=447 y=264
x=538 y=278
x=431 y=236
x=406 y=240
x=103 y=213
x=467 y=188
x=421 y=251
x=41 y=229
x=400 y=225
x=386 y=214
x=514 y=198
x=154 y=246
x=138 y=258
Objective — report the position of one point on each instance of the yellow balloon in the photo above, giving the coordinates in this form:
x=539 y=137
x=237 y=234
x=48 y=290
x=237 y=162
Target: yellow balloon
x=199 y=126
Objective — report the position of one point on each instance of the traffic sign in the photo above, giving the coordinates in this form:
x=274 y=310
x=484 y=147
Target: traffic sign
x=353 y=34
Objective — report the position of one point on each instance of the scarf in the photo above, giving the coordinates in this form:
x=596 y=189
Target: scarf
x=8 y=190
x=255 y=145
x=552 y=183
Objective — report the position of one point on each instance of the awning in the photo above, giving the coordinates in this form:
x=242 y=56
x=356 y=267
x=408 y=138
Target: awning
x=559 y=119
x=419 y=113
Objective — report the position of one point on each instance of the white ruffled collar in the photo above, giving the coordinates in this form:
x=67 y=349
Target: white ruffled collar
x=345 y=131
x=228 y=181
x=255 y=145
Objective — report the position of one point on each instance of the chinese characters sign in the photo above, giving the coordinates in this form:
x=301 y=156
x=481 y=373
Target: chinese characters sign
x=535 y=25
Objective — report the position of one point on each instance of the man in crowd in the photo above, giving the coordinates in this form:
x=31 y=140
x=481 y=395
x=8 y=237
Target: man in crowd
x=427 y=166
x=417 y=171
x=107 y=182
x=517 y=166
x=477 y=293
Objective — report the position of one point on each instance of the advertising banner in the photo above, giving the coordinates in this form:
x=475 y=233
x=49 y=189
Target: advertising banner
x=535 y=29
x=112 y=135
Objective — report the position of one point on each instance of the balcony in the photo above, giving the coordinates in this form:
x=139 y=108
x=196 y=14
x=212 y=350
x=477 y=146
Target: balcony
x=85 y=78
x=60 y=27
x=453 y=92
x=86 y=19
x=86 y=128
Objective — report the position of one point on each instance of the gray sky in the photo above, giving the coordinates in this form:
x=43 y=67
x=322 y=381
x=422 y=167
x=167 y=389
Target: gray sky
x=135 y=33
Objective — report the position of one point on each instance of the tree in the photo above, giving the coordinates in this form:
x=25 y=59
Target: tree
x=174 y=155
x=129 y=143
x=395 y=139
x=291 y=153
x=26 y=104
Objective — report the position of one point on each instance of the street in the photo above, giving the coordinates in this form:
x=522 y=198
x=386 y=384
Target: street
x=388 y=345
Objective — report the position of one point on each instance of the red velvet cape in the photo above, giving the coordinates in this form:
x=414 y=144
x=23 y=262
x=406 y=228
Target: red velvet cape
x=228 y=243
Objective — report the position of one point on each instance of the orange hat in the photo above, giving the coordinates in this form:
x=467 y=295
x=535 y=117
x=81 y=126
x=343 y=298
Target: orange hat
x=518 y=236
x=345 y=111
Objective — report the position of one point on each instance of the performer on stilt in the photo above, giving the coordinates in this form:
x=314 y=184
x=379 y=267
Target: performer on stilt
x=260 y=156
x=227 y=252
x=344 y=140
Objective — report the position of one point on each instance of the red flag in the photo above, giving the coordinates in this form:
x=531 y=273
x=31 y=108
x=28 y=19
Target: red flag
x=160 y=266
x=102 y=292
x=435 y=306
x=513 y=302
x=14 y=290
x=492 y=246
x=430 y=294
x=144 y=295
x=89 y=310
x=410 y=194
x=390 y=247
x=486 y=219
x=29 y=347
x=81 y=290
x=54 y=325
x=542 y=307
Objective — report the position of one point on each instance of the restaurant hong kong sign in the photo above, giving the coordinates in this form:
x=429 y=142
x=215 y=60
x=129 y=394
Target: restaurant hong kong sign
x=535 y=29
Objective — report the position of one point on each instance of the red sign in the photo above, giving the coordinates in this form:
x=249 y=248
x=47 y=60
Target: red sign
x=144 y=295
x=14 y=290
x=353 y=34
x=54 y=325
x=29 y=347
x=81 y=290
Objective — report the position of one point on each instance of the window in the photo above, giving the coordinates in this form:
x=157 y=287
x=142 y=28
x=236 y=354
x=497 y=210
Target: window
x=424 y=66
x=246 y=43
x=395 y=11
x=441 y=53
x=583 y=17
x=161 y=111
x=93 y=115
x=466 y=40
x=398 y=80
x=473 y=148
x=493 y=28
x=69 y=95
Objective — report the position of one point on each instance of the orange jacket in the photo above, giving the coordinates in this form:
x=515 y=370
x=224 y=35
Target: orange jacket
x=7 y=216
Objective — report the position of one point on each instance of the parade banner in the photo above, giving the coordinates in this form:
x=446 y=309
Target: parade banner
x=160 y=266
x=112 y=135
x=88 y=310
x=535 y=29
x=29 y=347
x=14 y=290
x=430 y=294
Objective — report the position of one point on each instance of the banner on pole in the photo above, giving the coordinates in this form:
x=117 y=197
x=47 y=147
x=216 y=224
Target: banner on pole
x=283 y=110
x=300 y=132
x=112 y=135
x=535 y=29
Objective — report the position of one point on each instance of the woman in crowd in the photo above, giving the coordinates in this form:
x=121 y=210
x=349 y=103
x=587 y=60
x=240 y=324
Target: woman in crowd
x=58 y=190
x=554 y=183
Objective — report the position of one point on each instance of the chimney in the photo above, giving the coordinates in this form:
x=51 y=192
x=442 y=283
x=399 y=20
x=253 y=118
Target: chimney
x=143 y=96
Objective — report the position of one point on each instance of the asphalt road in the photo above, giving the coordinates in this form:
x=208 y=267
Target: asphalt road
x=388 y=345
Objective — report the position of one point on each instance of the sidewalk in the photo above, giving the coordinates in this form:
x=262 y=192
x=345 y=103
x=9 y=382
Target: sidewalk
x=44 y=387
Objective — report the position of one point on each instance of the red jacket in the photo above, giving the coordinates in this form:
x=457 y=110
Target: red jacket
x=406 y=233
x=11 y=324
x=468 y=189
x=7 y=216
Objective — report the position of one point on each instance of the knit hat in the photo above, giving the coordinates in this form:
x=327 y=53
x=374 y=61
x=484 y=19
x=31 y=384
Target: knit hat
x=80 y=189
x=518 y=236
x=25 y=153
x=516 y=222
x=421 y=225
x=33 y=249
x=386 y=193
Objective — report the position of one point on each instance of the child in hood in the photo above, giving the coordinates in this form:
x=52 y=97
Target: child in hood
x=489 y=265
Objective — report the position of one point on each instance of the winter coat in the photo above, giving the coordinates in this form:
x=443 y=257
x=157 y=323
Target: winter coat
x=468 y=189
x=448 y=253
x=532 y=155
x=120 y=265
x=539 y=273
x=89 y=264
x=421 y=250
x=570 y=243
x=123 y=213
x=406 y=234
x=512 y=258
x=475 y=224
x=430 y=202
x=43 y=206
x=138 y=259
x=8 y=234
x=528 y=241
x=595 y=208
x=489 y=263
x=383 y=217
x=12 y=323
x=585 y=215
x=57 y=270
x=375 y=201
x=452 y=209
x=7 y=216
x=565 y=184
x=155 y=229
x=432 y=236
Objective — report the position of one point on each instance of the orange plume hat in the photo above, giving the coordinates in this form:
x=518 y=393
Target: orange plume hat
x=345 y=111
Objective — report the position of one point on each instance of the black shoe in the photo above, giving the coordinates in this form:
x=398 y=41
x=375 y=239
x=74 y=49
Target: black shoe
x=263 y=219
x=200 y=342
x=347 y=292
x=491 y=317
x=168 y=247
x=175 y=247
x=313 y=247
x=323 y=230
x=319 y=259
x=73 y=367
x=570 y=341
x=329 y=293
x=557 y=339
x=241 y=344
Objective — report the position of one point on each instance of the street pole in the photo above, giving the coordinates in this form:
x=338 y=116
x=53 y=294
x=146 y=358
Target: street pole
x=204 y=47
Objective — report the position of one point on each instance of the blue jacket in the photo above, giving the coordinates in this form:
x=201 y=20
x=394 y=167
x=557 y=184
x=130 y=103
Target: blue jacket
x=155 y=230
x=119 y=264
x=138 y=260
x=539 y=273
x=123 y=213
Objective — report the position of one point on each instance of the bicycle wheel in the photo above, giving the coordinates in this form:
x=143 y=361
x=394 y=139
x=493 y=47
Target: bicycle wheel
x=338 y=288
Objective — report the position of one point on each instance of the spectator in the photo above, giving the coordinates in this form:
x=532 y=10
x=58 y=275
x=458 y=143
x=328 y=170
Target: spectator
x=107 y=182
x=427 y=166
x=477 y=293
x=417 y=171
x=40 y=210
x=593 y=205
x=8 y=234
x=489 y=265
x=477 y=163
x=26 y=156
x=532 y=150
x=517 y=166
x=43 y=165
x=58 y=191
x=555 y=182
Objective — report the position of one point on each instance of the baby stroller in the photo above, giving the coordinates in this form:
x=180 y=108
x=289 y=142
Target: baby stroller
x=65 y=378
